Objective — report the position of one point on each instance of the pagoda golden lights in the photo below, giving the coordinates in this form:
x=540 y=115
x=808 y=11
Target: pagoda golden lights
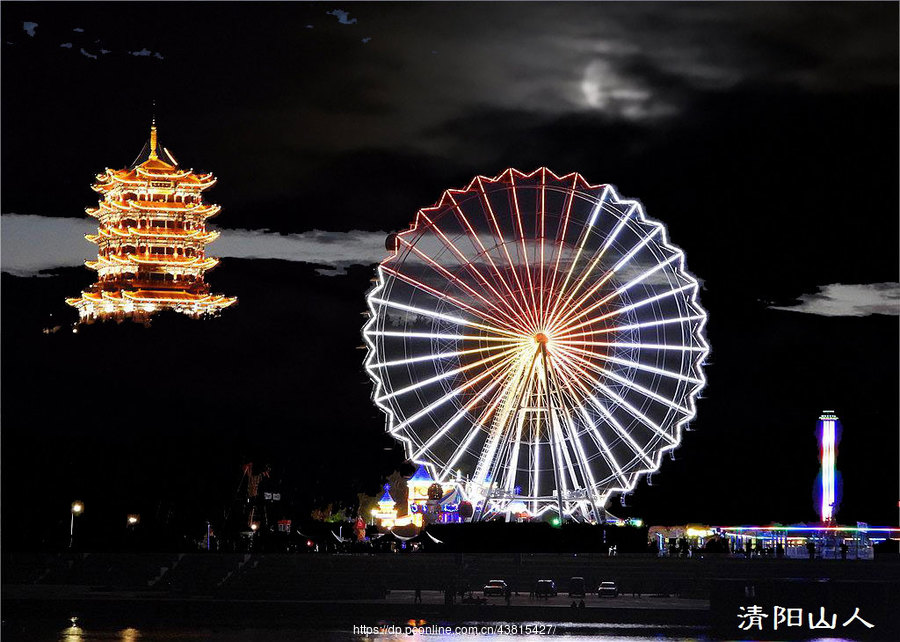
x=151 y=240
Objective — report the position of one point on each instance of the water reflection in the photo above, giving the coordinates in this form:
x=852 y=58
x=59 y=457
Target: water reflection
x=73 y=633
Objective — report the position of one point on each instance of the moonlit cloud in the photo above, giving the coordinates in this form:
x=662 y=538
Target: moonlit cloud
x=31 y=244
x=607 y=90
x=849 y=300
x=338 y=250
x=29 y=28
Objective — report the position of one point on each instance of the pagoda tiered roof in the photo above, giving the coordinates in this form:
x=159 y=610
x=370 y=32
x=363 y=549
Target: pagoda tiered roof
x=152 y=231
x=161 y=233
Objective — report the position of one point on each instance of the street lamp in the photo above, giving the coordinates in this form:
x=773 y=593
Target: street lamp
x=77 y=509
x=134 y=519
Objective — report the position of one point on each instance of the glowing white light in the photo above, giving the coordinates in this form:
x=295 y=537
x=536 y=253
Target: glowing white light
x=558 y=385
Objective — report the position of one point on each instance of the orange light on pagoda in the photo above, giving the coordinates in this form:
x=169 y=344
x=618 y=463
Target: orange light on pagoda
x=151 y=240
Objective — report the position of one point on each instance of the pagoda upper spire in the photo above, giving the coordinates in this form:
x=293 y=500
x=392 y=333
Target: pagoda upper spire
x=153 y=155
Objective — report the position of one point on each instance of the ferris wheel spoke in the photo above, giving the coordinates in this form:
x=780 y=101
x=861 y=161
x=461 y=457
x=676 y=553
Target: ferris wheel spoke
x=433 y=357
x=633 y=364
x=574 y=313
x=562 y=448
x=445 y=375
x=560 y=308
x=502 y=242
x=541 y=225
x=570 y=434
x=518 y=216
x=640 y=346
x=439 y=335
x=476 y=427
x=633 y=306
x=562 y=452
x=479 y=246
x=512 y=468
x=585 y=463
x=566 y=312
x=510 y=320
x=611 y=394
x=443 y=296
x=430 y=313
x=605 y=450
x=617 y=427
x=567 y=308
x=444 y=317
x=636 y=326
x=562 y=229
x=453 y=421
x=635 y=386
x=447 y=397
x=468 y=264
x=585 y=233
x=516 y=387
x=572 y=430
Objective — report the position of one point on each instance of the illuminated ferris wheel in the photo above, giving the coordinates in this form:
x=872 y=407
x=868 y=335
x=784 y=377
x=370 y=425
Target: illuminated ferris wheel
x=536 y=339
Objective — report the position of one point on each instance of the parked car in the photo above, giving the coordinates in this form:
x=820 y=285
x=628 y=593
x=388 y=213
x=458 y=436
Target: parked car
x=495 y=587
x=576 y=586
x=545 y=588
x=607 y=588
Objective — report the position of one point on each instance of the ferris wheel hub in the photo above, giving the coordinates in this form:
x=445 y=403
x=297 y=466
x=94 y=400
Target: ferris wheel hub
x=540 y=337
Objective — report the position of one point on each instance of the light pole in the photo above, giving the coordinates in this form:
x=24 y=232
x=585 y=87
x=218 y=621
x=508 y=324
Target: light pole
x=254 y=527
x=77 y=509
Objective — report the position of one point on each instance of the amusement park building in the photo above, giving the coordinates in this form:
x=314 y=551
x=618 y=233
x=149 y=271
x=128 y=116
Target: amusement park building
x=151 y=241
x=422 y=503
x=826 y=539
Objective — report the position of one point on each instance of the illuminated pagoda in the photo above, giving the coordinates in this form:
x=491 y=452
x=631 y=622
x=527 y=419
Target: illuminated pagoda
x=386 y=513
x=151 y=240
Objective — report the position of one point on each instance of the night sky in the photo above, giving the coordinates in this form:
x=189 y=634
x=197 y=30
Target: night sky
x=765 y=136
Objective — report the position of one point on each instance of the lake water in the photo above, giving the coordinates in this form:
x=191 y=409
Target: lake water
x=433 y=632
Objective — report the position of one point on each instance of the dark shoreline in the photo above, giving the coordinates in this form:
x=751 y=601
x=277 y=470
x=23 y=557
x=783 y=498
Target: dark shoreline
x=329 y=594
